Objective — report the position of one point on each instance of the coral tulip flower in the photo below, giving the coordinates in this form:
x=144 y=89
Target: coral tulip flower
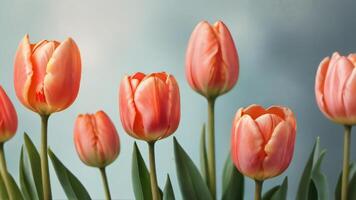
x=149 y=105
x=263 y=140
x=47 y=74
x=212 y=63
x=96 y=139
x=8 y=117
x=335 y=88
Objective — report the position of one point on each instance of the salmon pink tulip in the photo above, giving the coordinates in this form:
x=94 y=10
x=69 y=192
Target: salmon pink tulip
x=149 y=105
x=263 y=140
x=335 y=88
x=8 y=117
x=96 y=139
x=212 y=63
x=47 y=74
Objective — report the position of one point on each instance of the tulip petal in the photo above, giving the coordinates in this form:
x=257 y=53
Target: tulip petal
x=62 y=81
x=267 y=123
x=319 y=85
x=350 y=98
x=254 y=111
x=247 y=147
x=335 y=81
x=130 y=119
x=151 y=102
x=23 y=71
x=8 y=117
x=285 y=113
x=279 y=150
x=228 y=53
x=173 y=105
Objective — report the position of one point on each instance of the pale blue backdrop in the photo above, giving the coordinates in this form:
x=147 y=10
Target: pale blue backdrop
x=280 y=44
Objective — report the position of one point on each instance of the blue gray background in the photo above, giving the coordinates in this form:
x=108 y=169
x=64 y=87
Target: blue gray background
x=280 y=44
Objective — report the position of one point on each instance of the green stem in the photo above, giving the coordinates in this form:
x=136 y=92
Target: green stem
x=258 y=189
x=211 y=147
x=4 y=172
x=345 y=173
x=104 y=178
x=44 y=159
x=154 y=187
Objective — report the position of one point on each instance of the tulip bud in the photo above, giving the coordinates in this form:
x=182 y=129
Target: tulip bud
x=47 y=74
x=335 y=88
x=96 y=139
x=8 y=117
x=263 y=141
x=212 y=63
x=149 y=105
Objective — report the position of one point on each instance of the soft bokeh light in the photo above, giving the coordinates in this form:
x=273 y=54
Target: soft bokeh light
x=280 y=44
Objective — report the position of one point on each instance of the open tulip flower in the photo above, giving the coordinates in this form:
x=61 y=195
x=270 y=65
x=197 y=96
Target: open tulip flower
x=97 y=142
x=335 y=91
x=150 y=111
x=262 y=141
x=47 y=78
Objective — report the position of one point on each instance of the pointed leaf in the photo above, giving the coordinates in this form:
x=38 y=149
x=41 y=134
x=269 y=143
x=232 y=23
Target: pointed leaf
x=15 y=190
x=168 y=193
x=25 y=185
x=320 y=179
x=70 y=184
x=203 y=156
x=269 y=194
x=191 y=183
x=140 y=176
x=233 y=181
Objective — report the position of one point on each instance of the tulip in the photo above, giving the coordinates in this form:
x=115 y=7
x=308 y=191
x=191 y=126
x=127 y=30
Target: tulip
x=212 y=63
x=8 y=117
x=8 y=126
x=150 y=111
x=47 y=74
x=212 y=69
x=335 y=91
x=97 y=142
x=262 y=142
x=46 y=78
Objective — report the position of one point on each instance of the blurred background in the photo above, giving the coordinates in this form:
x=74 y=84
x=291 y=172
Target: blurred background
x=280 y=44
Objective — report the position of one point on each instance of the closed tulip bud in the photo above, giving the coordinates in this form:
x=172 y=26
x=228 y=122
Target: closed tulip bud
x=47 y=74
x=335 y=88
x=96 y=139
x=8 y=117
x=263 y=140
x=212 y=63
x=149 y=105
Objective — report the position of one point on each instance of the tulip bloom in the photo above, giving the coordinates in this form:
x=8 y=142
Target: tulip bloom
x=335 y=88
x=96 y=139
x=212 y=63
x=8 y=117
x=149 y=105
x=263 y=141
x=47 y=74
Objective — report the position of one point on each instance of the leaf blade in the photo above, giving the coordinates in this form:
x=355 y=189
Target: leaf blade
x=140 y=176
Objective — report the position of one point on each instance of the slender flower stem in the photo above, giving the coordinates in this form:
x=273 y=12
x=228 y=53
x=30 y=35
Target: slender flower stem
x=104 y=178
x=345 y=173
x=153 y=177
x=258 y=189
x=4 y=172
x=211 y=147
x=44 y=159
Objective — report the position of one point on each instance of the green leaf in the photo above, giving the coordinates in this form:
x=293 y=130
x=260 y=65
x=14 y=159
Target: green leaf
x=70 y=184
x=15 y=190
x=352 y=178
x=30 y=171
x=233 y=181
x=3 y=192
x=168 y=193
x=140 y=176
x=203 y=156
x=278 y=192
x=191 y=183
x=313 y=183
